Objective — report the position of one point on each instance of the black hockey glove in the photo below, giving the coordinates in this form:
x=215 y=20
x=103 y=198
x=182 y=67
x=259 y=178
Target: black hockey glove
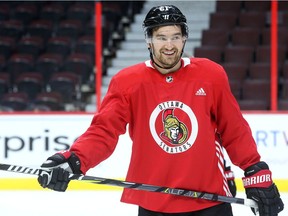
x=58 y=167
x=229 y=174
x=260 y=187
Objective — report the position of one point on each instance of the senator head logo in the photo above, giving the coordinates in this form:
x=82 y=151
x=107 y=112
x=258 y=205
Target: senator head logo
x=173 y=126
x=174 y=131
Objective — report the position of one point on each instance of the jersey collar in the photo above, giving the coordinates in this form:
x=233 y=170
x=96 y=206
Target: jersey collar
x=186 y=61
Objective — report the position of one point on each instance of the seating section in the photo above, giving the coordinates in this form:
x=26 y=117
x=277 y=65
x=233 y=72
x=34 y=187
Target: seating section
x=15 y=101
x=48 y=101
x=66 y=83
x=47 y=51
x=4 y=83
x=283 y=101
x=29 y=82
x=245 y=36
x=238 y=38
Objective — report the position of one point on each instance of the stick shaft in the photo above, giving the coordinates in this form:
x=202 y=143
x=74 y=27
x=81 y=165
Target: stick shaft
x=136 y=186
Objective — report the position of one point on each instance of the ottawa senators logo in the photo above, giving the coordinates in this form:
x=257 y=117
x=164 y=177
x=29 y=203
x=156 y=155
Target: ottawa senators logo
x=175 y=131
x=173 y=126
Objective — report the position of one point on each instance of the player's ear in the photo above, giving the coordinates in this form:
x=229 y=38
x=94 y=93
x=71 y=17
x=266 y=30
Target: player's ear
x=148 y=42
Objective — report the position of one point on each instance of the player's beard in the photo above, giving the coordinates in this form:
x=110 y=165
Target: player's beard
x=167 y=61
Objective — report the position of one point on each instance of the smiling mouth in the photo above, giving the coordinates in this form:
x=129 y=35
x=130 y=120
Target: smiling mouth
x=169 y=53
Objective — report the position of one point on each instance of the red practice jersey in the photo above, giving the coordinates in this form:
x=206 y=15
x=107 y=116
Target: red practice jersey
x=172 y=121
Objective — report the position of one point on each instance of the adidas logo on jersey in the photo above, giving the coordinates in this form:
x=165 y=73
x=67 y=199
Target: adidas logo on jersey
x=201 y=92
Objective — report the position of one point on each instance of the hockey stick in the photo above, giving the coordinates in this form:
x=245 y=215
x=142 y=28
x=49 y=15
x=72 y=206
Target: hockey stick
x=137 y=186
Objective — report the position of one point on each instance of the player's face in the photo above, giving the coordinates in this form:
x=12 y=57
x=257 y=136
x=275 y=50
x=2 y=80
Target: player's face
x=167 y=43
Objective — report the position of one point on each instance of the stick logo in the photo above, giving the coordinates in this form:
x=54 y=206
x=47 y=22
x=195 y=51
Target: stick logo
x=22 y=169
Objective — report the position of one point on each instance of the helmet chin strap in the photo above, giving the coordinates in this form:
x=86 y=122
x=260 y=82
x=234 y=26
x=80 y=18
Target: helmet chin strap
x=166 y=68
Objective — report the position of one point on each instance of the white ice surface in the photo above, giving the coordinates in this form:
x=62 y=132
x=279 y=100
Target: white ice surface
x=83 y=203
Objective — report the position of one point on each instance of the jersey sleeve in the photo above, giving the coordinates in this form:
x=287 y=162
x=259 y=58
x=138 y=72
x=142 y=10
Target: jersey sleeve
x=100 y=139
x=235 y=132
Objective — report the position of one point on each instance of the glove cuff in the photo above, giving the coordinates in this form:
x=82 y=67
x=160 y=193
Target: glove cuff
x=75 y=163
x=66 y=156
x=255 y=168
x=261 y=179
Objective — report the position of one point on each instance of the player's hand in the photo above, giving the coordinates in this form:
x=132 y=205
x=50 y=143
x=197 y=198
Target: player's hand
x=229 y=174
x=260 y=187
x=56 y=170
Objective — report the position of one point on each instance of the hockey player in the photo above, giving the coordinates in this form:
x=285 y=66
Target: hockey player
x=173 y=106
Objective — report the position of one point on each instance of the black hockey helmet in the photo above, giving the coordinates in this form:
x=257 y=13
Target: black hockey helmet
x=164 y=15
